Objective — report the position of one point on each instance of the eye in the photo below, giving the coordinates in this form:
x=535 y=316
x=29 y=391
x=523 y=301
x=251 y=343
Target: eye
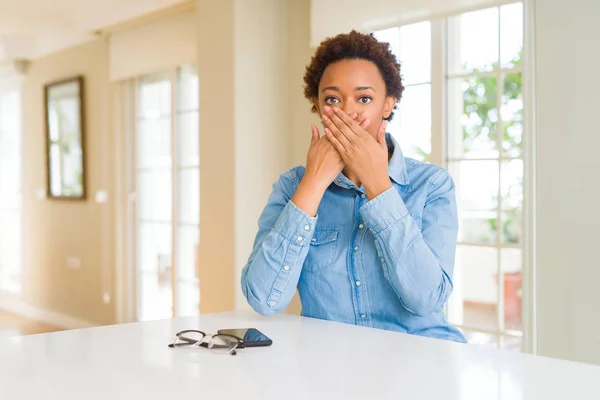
x=365 y=100
x=331 y=100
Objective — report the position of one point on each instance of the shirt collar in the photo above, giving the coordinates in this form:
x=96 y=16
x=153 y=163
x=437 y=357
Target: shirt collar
x=396 y=166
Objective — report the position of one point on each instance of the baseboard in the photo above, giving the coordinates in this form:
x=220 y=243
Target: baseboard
x=16 y=306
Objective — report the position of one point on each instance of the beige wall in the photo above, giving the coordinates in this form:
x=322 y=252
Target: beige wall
x=299 y=55
x=54 y=230
x=216 y=70
x=567 y=170
x=299 y=114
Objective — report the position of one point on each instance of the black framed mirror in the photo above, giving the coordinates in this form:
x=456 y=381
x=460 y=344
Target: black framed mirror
x=65 y=134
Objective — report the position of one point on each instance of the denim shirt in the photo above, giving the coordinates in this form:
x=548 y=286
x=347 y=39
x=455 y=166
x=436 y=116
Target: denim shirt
x=385 y=263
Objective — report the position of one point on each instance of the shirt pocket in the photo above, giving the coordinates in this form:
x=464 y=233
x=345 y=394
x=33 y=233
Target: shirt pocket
x=322 y=250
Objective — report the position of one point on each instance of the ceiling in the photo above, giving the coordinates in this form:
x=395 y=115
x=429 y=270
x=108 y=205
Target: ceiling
x=33 y=28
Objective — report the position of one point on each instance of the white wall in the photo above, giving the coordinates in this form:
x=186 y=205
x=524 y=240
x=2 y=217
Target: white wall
x=568 y=139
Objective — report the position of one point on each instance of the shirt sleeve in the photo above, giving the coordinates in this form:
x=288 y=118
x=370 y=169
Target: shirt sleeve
x=417 y=263
x=271 y=275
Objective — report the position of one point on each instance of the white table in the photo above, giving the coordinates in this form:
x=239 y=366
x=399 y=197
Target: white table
x=309 y=359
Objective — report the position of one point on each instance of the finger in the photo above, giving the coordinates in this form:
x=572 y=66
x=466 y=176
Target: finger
x=381 y=134
x=335 y=142
x=360 y=118
x=363 y=121
x=315 y=134
x=339 y=125
x=333 y=128
x=344 y=119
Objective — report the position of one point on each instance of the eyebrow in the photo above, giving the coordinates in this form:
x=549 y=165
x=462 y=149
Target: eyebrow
x=357 y=89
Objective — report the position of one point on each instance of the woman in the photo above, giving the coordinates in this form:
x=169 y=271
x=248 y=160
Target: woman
x=367 y=236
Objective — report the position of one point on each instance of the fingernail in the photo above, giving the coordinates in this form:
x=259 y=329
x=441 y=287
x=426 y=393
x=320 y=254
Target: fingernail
x=354 y=115
x=326 y=109
x=325 y=117
x=366 y=121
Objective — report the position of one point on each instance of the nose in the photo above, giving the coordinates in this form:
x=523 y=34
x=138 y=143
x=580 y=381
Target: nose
x=348 y=108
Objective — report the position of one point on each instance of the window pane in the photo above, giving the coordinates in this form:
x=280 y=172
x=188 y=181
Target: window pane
x=188 y=139
x=188 y=299
x=473 y=41
x=511 y=31
x=155 y=96
x=189 y=196
x=56 y=170
x=154 y=251
x=187 y=88
x=156 y=295
x=512 y=200
x=10 y=192
x=415 y=53
x=411 y=126
x=155 y=199
x=391 y=36
x=186 y=253
x=154 y=143
x=9 y=110
x=472 y=117
x=477 y=197
x=412 y=46
x=478 y=267
x=512 y=267
x=512 y=115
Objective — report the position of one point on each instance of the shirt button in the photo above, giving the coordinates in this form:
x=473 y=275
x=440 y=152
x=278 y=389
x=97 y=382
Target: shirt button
x=355 y=248
x=299 y=238
x=363 y=196
x=286 y=268
x=363 y=316
x=361 y=226
x=339 y=181
x=313 y=240
x=382 y=260
x=306 y=227
x=357 y=283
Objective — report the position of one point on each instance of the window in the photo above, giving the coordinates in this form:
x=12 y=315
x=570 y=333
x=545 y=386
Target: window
x=411 y=125
x=480 y=143
x=484 y=156
x=10 y=191
x=168 y=194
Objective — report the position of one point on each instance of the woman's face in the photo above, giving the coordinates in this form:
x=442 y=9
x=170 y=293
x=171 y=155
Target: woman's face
x=355 y=86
